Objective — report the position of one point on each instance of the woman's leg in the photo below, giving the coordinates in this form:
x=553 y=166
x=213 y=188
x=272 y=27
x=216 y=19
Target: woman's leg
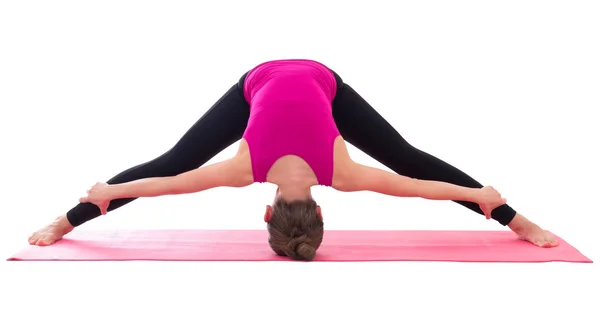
x=367 y=130
x=222 y=125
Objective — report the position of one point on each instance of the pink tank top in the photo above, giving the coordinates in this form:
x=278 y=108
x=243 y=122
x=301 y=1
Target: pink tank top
x=290 y=114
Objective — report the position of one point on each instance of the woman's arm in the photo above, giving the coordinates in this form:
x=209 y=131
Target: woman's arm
x=357 y=177
x=235 y=172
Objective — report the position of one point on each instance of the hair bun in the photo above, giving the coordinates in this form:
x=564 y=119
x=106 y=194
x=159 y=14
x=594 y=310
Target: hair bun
x=306 y=251
x=300 y=248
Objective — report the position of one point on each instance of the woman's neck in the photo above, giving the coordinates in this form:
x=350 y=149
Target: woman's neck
x=294 y=191
x=293 y=177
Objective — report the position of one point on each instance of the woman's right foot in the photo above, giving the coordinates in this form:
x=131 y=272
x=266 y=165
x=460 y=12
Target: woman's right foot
x=51 y=233
x=529 y=231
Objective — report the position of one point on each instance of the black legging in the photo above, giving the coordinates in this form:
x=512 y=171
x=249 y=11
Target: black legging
x=359 y=124
x=222 y=125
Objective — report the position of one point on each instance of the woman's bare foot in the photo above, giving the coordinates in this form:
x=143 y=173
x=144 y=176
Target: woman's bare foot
x=51 y=233
x=529 y=231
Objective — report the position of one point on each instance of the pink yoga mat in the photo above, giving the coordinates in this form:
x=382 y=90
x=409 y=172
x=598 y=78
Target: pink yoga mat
x=251 y=245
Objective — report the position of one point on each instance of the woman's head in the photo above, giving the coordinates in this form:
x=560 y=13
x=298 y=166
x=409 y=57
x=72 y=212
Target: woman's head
x=295 y=228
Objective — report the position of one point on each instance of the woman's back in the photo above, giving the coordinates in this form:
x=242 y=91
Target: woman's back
x=290 y=114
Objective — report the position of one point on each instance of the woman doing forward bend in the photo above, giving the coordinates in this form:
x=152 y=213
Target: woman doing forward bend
x=293 y=118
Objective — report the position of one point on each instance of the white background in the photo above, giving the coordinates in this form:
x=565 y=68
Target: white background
x=504 y=90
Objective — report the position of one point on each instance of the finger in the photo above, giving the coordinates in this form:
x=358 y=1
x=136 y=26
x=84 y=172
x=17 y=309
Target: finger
x=486 y=212
x=504 y=200
x=83 y=200
x=104 y=209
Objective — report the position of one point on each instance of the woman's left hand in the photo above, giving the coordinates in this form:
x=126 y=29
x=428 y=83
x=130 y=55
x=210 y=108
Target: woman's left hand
x=490 y=199
x=99 y=195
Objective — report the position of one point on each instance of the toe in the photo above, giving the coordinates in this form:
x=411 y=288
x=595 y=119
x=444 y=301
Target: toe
x=33 y=238
x=43 y=241
x=540 y=242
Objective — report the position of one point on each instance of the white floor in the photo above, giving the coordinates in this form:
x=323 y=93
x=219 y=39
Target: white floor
x=505 y=92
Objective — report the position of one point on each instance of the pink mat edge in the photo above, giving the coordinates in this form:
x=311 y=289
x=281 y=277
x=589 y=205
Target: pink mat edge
x=586 y=260
x=269 y=260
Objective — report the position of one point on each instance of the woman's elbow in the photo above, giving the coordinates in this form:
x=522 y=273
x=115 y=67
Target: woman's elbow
x=171 y=186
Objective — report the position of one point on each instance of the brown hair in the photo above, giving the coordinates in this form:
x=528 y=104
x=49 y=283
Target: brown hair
x=295 y=229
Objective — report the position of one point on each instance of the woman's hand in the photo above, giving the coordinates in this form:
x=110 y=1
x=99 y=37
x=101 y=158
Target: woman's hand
x=98 y=195
x=489 y=199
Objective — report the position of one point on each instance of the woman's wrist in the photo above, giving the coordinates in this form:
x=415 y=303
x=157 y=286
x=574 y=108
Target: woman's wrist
x=114 y=191
x=475 y=195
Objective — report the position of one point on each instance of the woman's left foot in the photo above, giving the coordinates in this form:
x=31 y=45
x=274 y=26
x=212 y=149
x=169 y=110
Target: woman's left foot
x=529 y=231
x=51 y=233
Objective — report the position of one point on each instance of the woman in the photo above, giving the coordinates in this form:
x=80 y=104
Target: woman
x=293 y=118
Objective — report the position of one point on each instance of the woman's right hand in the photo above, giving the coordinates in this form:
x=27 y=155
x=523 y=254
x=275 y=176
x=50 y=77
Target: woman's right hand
x=99 y=195
x=489 y=200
